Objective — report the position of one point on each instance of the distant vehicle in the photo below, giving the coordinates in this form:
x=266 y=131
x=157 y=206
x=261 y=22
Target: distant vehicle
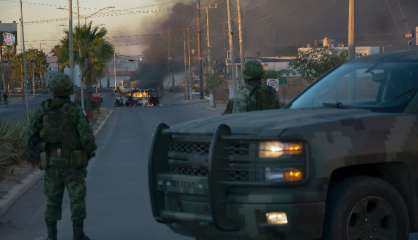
x=131 y=102
x=123 y=87
x=339 y=163
x=146 y=97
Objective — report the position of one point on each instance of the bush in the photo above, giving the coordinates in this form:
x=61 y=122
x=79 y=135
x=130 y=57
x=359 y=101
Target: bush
x=95 y=102
x=316 y=62
x=214 y=81
x=13 y=140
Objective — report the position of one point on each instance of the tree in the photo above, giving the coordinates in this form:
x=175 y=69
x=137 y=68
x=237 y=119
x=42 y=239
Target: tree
x=214 y=81
x=91 y=52
x=314 y=63
x=37 y=67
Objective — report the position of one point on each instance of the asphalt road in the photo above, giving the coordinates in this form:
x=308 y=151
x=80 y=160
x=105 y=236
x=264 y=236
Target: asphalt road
x=118 y=201
x=16 y=110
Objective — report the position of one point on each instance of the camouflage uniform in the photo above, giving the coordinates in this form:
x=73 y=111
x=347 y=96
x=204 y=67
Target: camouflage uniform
x=64 y=139
x=255 y=96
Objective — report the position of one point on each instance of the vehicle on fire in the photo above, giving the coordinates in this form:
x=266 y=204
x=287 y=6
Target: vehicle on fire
x=340 y=162
x=146 y=97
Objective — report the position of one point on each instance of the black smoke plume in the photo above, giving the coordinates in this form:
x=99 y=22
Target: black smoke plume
x=167 y=41
x=276 y=27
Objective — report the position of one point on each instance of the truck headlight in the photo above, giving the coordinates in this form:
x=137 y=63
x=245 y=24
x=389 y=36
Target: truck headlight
x=276 y=218
x=276 y=149
x=283 y=175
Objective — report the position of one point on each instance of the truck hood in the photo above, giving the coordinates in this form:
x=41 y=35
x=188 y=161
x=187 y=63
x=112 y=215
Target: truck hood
x=271 y=123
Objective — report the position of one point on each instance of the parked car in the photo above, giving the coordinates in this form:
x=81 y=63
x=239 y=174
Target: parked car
x=339 y=163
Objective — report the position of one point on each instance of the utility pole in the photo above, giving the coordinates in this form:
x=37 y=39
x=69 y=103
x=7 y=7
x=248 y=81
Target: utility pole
x=25 y=64
x=352 y=29
x=231 y=49
x=3 y=69
x=3 y=77
x=208 y=42
x=241 y=41
x=209 y=59
x=71 y=53
x=185 y=64
x=114 y=69
x=189 y=53
x=33 y=79
x=199 y=49
x=70 y=40
x=78 y=13
x=170 y=74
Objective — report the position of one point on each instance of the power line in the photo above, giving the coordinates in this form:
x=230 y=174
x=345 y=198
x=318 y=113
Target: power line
x=44 y=4
x=143 y=35
x=145 y=9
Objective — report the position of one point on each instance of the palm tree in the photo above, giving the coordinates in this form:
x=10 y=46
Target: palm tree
x=91 y=52
x=37 y=67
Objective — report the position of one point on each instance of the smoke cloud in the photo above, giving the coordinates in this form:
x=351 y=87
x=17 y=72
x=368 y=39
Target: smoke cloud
x=274 y=27
x=167 y=42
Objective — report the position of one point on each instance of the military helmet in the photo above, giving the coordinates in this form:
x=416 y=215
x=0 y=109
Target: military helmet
x=253 y=71
x=61 y=85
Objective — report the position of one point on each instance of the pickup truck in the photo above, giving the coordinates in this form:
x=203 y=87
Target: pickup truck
x=339 y=163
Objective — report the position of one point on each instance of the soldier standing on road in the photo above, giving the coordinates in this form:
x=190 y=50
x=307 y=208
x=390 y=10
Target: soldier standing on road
x=254 y=96
x=62 y=142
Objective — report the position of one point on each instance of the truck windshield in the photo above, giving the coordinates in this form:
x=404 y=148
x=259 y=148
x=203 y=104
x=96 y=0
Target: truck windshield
x=385 y=87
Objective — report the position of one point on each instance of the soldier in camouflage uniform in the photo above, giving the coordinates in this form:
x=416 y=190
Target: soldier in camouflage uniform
x=254 y=96
x=62 y=142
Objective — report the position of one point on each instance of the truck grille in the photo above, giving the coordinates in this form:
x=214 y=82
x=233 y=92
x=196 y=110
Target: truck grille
x=189 y=147
x=237 y=149
x=189 y=171
x=191 y=159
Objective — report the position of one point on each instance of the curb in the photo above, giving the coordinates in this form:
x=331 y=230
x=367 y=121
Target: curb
x=31 y=180
x=103 y=123
x=16 y=192
x=220 y=107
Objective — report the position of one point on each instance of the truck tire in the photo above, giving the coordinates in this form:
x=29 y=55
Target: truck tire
x=361 y=208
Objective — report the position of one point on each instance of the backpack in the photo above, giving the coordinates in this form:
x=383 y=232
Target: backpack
x=59 y=127
x=262 y=98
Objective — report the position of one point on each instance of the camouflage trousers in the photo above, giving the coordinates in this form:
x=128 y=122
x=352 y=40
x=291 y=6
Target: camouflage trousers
x=55 y=182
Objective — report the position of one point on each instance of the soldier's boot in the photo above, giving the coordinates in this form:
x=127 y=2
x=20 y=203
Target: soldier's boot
x=52 y=230
x=78 y=229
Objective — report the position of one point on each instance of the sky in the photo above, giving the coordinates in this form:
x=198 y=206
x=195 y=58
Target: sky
x=127 y=18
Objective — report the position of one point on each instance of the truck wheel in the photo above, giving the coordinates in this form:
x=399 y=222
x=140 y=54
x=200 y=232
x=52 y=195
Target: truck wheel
x=361 y=208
